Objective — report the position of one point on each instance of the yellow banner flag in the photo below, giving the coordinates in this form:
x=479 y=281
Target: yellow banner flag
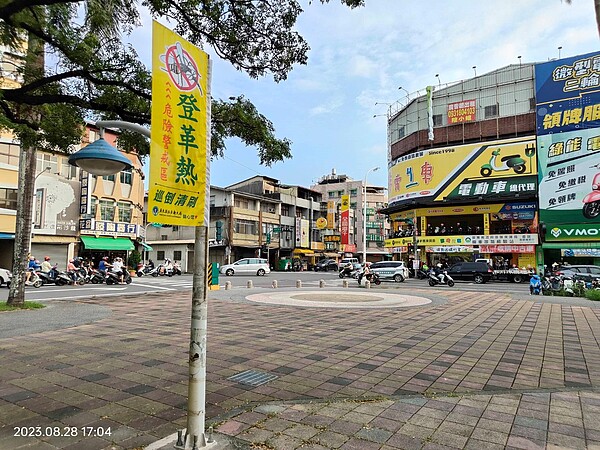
x=180 y=132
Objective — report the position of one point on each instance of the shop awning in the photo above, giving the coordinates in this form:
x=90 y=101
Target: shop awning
x=7 y=236
x=567 y=245
x=146 y=247
x=303 y=251
x=106 y=243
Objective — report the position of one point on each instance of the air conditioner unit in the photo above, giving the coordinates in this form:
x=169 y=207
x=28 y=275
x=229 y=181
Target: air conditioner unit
x=272 y=210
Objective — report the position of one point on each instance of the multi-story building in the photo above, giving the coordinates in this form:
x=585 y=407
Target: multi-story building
x=462 y=171
x=332 y=187
x=74 y=213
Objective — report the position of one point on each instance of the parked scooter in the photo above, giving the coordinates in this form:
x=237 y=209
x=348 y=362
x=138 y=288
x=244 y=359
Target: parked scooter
x=514 y=162
x=535 y=285
x=145 y=270
x=176 y=268
x=591 y=202
x=442 y=278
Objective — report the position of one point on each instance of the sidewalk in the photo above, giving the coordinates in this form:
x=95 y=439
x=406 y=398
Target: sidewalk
x=470 y=370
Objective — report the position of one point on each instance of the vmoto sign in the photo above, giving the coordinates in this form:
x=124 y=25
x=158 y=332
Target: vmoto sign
x=575 y=232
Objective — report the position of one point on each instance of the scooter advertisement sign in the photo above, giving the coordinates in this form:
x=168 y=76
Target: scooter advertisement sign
x=473 y=170
x=569 y=178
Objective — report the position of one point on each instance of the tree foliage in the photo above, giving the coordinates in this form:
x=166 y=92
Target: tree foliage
x=95 y=75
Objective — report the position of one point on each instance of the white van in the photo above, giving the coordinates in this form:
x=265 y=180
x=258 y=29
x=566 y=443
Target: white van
x=348 y=260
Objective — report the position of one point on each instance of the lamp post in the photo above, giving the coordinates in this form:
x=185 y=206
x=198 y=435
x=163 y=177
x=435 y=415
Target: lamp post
x=104 y=159
x=374 y=169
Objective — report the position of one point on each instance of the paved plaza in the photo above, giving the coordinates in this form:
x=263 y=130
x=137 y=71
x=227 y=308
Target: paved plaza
x=460 y=370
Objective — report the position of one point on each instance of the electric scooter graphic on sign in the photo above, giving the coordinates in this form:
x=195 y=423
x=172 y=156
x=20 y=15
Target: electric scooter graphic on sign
x=514 y=162
x=591 y=202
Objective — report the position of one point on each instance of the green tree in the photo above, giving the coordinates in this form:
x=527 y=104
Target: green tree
x=95 y=75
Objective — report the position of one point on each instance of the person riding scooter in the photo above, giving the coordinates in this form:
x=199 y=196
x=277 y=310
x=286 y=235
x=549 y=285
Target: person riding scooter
x=347 y=270
x=438 y=271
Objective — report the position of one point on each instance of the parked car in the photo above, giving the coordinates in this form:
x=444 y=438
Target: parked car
x=258 y=266
x=390 y=270
x=583 y=272
x=480 y=272
x=5 y=276
x=325 y=265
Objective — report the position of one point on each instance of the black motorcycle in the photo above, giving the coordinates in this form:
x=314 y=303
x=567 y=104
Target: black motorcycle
x=115 y=278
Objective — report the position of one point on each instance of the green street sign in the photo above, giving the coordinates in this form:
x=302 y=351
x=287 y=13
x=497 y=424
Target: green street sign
x=157 y=225
x=277 y=230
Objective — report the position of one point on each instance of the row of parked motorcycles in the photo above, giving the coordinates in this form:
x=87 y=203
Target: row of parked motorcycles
x=160 y=270
x=81 y=276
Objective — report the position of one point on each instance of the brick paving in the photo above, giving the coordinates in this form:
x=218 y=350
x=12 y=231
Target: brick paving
x=471 y=370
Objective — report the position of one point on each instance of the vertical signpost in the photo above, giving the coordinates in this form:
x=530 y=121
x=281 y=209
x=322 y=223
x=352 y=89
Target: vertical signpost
x=345 y=220
x=179 y=182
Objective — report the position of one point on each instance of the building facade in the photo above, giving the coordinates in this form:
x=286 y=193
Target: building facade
x=462 y=171
x=74 y=213
x=332 y=188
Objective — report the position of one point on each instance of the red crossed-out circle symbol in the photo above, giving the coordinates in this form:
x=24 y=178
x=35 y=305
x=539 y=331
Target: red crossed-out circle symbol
x=181 y=67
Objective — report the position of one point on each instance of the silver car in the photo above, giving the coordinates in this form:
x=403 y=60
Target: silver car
x=390 y=270
x=258 y=266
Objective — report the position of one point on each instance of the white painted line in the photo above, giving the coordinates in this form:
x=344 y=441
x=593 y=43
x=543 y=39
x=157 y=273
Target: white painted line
x=91 y=289
x=154 y=286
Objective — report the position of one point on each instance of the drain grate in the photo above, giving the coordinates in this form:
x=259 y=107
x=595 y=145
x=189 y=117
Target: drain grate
x=253 y=378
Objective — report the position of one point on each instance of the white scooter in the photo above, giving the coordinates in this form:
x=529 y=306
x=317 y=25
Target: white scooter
x=442 y=278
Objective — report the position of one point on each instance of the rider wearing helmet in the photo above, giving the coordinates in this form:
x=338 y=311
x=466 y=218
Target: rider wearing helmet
x=103 y=265
x=46 y=265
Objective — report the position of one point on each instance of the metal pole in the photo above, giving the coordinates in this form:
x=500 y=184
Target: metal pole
x=198 y=333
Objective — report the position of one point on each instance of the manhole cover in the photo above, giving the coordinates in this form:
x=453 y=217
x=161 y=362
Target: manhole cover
x=253 y=378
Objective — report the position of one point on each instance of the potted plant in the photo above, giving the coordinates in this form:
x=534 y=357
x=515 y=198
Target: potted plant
x=134 y=260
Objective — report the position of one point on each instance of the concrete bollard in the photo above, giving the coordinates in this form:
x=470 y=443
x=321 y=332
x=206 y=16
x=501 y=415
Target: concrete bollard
x=345 y=283
x=298 y=283
x=321 y=283
x=228 y=285
x=368 y=284
x=274 y=284
x=249 y=285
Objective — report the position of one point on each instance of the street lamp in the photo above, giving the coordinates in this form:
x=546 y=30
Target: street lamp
x=374 y=169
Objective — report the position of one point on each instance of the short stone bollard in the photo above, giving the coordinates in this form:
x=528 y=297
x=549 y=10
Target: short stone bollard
x=298 y=283
x=321 y=283
x=249 y=284
x=228 y=285
x=274 y=284
x=368 y=284
x=345 y=283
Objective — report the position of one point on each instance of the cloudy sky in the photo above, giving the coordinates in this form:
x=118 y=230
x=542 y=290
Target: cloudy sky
x=360 y=57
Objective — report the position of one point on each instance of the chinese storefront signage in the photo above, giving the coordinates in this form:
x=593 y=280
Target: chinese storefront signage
x=480 y=239
x=568 y=125
x=488 y=170
x=507 y=248
x=178 y=157
x=345 y=219
x=459 y=112
x=106 y=228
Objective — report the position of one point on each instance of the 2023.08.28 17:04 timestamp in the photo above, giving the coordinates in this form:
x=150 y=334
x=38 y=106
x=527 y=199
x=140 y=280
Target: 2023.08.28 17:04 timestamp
x=61 y=431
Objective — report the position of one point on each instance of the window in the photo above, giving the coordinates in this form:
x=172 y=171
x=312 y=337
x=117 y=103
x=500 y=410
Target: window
x=124 y=212
x=332 y=194
x=160 y=255
x=109 y=178
x=532 y=104
x=126 y=176
x=67 y=170
x=353 y=192
x=401 y=132
x=353 y=205
x=107 y=210
x=285 y=210
x=245 y=226
x=175 y=227
x=164 y=237
x=93 y=206
x=437 y=120
x=44 y=160
x=212 y=200
x=9 y=154
x=177 y=255
x=8 y=198
x=242 y=203
x=491 y=111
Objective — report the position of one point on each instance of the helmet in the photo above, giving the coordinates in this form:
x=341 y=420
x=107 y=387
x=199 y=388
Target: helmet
x=37 y=261
x=46 y=258
x=71 y=260
x=439 y=265
x=105 y=258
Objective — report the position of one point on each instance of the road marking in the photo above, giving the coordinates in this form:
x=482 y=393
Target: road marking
x=90 y=289
x=153 y=286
